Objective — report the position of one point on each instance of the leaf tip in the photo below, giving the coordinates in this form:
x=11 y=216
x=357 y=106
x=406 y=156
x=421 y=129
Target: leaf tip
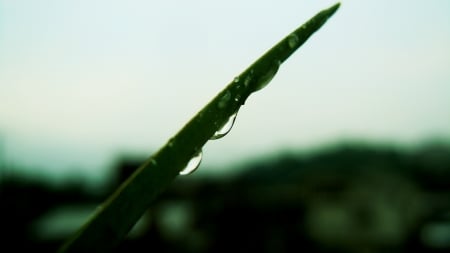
x=334 y=8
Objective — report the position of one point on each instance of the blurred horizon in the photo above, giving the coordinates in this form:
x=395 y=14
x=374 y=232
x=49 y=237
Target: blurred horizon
x=348 y=198
x=95 y=182
x=84 y=82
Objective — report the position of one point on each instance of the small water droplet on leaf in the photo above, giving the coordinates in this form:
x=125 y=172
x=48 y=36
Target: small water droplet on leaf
x=193 y=164
x=248 y=79
x=170 y=143
x=293 y=40
x=224 y=100
x=225 y=129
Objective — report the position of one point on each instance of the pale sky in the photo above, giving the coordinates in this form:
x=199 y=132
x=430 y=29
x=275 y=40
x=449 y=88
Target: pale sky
x=83 y=81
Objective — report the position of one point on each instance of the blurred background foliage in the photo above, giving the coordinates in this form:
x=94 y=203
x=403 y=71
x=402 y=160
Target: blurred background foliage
x=344 y=198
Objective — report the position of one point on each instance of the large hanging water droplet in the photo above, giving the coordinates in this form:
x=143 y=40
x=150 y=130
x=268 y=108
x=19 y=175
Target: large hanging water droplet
x=225 y=129
x=193 y=164
x=267 y=77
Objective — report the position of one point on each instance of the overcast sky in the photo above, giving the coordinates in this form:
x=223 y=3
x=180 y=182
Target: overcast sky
x=82 y=81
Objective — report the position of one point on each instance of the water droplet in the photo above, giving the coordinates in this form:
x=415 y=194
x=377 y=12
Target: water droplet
x=193 y=164
x=237 y=98
x=225 y=129
x=267 y=77
x=153 y=162
x=236 y=79
x=224 y=100
x=170 y=143
x=293 y=40
x=247 y=80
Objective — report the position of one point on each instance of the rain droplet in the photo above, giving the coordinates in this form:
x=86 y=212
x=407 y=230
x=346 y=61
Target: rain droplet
x=247 y=80
x=267 y=77
x=293 y=40
x=236 y=79
x=193 y=164
x=225 y=129
x=224 y=100
x=170 y=143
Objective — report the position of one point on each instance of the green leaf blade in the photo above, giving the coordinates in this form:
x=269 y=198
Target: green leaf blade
x=117 y=215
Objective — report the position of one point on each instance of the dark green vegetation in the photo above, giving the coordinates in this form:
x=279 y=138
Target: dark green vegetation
x=126 y=205
x=346 y=199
